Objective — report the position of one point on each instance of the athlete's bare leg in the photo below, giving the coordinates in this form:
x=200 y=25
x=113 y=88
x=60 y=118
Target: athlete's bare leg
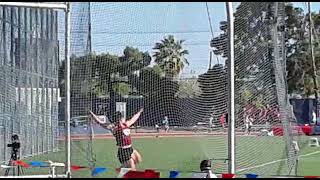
x=125 y=165
x=132 y=164
x=129 y=164
x=136 y=157
x=166 y=129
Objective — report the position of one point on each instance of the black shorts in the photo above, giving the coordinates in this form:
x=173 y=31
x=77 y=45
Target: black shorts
x=124 y=155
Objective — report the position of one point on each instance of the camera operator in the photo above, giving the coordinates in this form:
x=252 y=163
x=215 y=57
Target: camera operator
x=15 y=146
x=205 y=170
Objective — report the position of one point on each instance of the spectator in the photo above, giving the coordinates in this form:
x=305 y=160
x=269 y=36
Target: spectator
x=318 y=118
x=269 y=113
x=222 y=121
x=248 y=124
x=165 y=123
x=263 y=114
x=314 y=117
x=211 y=125
x=157 y=128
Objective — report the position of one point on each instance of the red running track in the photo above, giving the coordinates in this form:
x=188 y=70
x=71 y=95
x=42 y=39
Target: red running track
x=152 y=135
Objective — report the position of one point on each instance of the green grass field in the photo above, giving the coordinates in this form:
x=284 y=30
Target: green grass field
x=185 y=154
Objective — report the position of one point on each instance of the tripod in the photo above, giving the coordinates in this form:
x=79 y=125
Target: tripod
x=15 y=168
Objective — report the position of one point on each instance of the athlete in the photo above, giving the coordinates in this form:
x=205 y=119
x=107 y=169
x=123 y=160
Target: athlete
x=128 y=157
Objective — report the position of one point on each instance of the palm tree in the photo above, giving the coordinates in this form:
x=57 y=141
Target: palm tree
x=170 y=56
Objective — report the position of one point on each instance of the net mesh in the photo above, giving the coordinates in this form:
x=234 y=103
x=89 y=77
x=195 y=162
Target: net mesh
x=136 y=63
x=29 y=79
x=262 y=104
x=80 y=73
x=155 y=56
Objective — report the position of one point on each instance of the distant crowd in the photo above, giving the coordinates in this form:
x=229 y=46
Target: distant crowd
x=262 y=114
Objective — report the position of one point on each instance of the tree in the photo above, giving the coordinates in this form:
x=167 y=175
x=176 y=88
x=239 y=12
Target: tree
x=253 y=55
x=158 y=95
x=133 y=60
x=111 y=76
x=104 y=68
x=189 y=88
x=111 y=70
x=94 y=73
x=214 y=93
x=298 y=51
x=170 y=56
x=252 y=27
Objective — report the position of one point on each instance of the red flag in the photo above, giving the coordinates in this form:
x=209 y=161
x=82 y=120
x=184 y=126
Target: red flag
x=227 y=175
x=76 y=168
x=21 y=163
x=148 y=173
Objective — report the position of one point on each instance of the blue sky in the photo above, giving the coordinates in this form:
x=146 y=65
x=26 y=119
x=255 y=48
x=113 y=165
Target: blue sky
x=142 y=24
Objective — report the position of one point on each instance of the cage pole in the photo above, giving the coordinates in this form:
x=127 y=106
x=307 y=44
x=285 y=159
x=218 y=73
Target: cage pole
x=231 y=107
x=35 y=5
x=68 y=90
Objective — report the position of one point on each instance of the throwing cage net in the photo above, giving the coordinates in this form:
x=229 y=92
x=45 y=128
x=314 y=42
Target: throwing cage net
x=129 y=66
x=29 y=80
x=155 y=56
x=263 y=109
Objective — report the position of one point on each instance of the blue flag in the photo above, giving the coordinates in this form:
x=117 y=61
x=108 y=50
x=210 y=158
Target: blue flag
x=174 y=174
x=38 y=164
x=251 y=176
x=98 y=170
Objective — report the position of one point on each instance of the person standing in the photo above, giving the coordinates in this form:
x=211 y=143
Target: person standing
x=165 y=123
x=222 y=120
x=211 y=125
x=314 y=117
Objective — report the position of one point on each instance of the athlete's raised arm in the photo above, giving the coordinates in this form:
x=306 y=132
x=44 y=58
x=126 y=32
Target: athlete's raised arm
x=100 y=122
x=134 y=118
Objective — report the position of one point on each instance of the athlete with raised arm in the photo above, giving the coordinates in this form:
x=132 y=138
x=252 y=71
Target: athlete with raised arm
x=127 y=156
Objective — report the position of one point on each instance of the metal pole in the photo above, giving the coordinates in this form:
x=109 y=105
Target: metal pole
x=89 y=23
x=231 y=115
x=35 y=5
x=210 y=60
x=4 y=43
x=314 y=70
x=68 y=88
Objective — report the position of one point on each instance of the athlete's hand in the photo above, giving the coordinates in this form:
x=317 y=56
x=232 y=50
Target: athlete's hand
x=93 y=117
x=141 y=110
x=91 y=113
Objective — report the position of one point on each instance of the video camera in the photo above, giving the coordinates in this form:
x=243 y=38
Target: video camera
x=15 y=143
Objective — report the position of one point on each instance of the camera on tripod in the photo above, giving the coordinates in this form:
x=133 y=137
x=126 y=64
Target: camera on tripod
x=15 y=146
x=15 y=143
